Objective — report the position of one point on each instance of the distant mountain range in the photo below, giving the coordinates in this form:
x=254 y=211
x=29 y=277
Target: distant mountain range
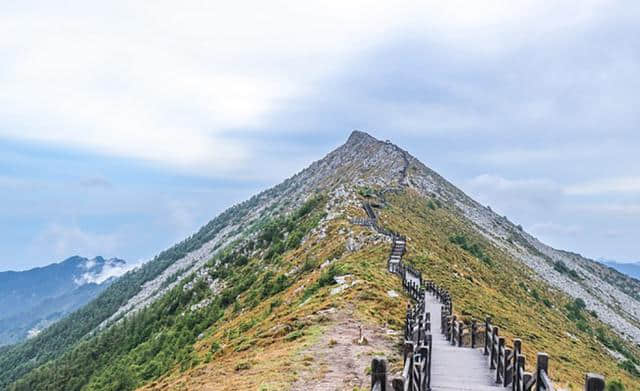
x=31 y=300
x=631 y=269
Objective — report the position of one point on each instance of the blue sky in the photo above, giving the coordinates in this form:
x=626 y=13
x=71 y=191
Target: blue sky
x=123 y=128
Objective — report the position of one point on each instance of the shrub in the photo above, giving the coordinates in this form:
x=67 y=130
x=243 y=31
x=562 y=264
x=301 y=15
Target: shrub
x=583 y=326
x=574 y=310
x=292 y=336
x=474 y=249
x=562 y=268
x=327 y=278
x=535 y=295
x=630 y=367
x=242 y=366
x=615 y=385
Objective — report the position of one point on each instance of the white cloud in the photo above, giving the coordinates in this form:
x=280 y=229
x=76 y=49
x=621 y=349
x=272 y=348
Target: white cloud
x=109 y=270
x=611 y=185
x=65 y=240
x=168 y=84
x=610 y=209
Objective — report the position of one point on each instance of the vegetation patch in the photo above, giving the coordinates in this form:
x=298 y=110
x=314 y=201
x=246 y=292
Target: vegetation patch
x=562 y=267
x=472 y=248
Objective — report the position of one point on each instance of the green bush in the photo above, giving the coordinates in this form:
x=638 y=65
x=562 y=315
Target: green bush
x=474 y=249
x=615 y=385
x=325 y=279
x=562 y=267
x=630 y=367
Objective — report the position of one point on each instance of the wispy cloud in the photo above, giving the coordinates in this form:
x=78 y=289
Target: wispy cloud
x=176 y=82
x=610 y=209
x=108 y=270
x=629 y=185
x=67 y=240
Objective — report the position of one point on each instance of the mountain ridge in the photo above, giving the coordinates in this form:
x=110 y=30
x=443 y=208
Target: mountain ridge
x=205 y=276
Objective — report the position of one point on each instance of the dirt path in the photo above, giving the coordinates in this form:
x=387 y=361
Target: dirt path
x=338 y=361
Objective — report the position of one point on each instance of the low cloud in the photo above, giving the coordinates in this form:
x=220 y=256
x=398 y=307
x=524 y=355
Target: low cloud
x=108 y=270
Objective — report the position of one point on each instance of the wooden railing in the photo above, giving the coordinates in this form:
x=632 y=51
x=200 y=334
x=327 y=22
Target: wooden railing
x=416 y=373
x=508 y=362
x=364 y=222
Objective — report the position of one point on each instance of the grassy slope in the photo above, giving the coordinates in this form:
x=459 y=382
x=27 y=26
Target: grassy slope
x=18 y=360
x=504 y=291
x=258 y=341
x=270 y=354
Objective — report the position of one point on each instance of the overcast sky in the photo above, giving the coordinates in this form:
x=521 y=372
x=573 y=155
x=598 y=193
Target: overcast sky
x=125 y=126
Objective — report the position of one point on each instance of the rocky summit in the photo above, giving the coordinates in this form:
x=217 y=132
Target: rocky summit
x=290 y=290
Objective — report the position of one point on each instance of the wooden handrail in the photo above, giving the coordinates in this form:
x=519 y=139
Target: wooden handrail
x=509 y=363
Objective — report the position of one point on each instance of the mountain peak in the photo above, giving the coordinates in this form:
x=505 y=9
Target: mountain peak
x=358 y=136
x=363 y=160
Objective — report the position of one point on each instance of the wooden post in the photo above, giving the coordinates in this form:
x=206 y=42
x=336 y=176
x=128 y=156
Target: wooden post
x=452 y=325
x=429 y=343
x=517 y=350
x=424 y=352
x=500 y=361
x=542 y=364
x=507 y=377
x=408 y=349
x=487 y=324
x=594 y=382
x=494 y=341
x=520 y=367
x=474 y=330
x=379 y=374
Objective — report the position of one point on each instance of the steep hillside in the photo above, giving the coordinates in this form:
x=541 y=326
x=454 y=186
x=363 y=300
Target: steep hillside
x=273 y=294
x=33 y=299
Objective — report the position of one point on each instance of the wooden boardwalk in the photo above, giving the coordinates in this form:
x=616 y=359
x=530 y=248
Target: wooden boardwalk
x=432 y=363
x=452 y=367
x=455 y=368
